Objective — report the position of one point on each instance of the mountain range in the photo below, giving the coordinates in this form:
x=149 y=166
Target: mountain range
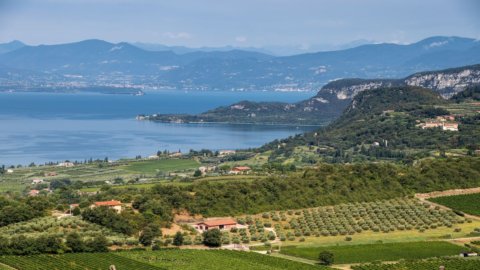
x=100 y=63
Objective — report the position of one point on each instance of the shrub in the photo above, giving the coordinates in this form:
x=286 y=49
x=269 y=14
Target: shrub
x=326 y=258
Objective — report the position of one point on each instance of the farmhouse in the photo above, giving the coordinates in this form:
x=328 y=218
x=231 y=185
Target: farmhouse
x=176 y=154
x=33 y=192
x=50 y=174
x=239 y=170
x=223 y=153
x=113 y=204
x=66 y=164
x=450 y=126
x=37 y=181
x=468 y=254
x=9 y=170
x=431 y=125
x=221 y=224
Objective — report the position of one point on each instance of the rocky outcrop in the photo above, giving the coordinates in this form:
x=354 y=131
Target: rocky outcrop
x=446 y=82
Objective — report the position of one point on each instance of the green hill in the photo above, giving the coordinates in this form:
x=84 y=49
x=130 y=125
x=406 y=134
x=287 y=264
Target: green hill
x=383 y=123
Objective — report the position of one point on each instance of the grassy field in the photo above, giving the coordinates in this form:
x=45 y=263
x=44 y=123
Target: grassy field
x=155 y=260
x=468 y=203
x=162 y=165
x=377 y=252
x=369 y=237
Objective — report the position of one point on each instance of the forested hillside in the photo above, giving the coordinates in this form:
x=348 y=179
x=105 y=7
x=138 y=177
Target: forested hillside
x=386 y=123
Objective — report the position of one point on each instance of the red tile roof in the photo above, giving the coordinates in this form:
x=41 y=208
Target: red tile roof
x=218 y=222
x=241 y=168
x=108 y=203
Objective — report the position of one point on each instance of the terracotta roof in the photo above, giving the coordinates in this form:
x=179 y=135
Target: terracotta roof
x=108 y=203
x=242 y=168
x=217 y=222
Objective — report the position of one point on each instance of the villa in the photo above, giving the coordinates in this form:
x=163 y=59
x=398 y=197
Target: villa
x=240 y=170
x=113 y=204
x=36 y=181
x=221 y=224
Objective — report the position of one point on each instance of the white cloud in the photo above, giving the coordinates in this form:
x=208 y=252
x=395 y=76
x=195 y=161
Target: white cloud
x=177 y=35
x=241 y=39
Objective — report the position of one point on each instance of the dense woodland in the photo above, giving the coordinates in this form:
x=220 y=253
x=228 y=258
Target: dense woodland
x=326 y=184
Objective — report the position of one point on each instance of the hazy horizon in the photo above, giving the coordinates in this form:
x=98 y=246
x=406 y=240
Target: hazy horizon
x=301 y=25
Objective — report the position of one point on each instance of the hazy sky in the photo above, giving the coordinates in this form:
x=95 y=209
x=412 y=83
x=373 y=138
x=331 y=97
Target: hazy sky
x=257 y=23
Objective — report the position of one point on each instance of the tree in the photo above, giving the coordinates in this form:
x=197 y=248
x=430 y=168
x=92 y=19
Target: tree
x=75 y=242
x=212 y=238
x=98 y=244
x=48 y=244
x=76 y=211
x=178 y=239
x=197 y=173
x=148 y=234
x=326 y=258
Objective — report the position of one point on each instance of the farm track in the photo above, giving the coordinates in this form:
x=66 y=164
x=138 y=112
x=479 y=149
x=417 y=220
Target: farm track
x=293 y=258
x=449 y=192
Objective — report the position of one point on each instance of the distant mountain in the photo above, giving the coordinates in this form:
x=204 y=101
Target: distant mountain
x=331 y=100
x=99 y=62
x=11 y=46
x=183 y=50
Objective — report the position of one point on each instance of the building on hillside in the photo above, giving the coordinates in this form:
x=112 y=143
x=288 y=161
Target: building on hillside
x=450 y=126
x=9 y=170
x=176 y=154
x=431 y=125
x=221 y=224
x=223 y=153
x=36 y=181
x=113 y=204
x=468 y=254
x=33 y=192
x=66 y=164
x=47 y=174
x=240 y=170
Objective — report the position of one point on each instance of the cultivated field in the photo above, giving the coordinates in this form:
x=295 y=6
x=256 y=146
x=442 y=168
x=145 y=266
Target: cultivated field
x=468 y=203
x=431 y=264
x=155 y=260
x=162 y=165
x=378 y=252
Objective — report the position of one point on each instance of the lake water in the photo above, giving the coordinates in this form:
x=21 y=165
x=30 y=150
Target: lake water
x=44 y=127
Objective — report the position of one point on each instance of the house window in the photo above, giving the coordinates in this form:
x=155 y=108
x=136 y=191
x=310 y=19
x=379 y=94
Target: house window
x=221 y=227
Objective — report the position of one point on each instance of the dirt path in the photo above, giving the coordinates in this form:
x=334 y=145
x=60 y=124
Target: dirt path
x=450 y=192
x=293 y=258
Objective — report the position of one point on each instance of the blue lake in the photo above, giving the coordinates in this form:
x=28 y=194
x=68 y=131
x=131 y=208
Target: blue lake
x=44 y=127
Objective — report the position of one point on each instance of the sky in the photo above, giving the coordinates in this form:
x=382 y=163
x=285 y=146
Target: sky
x=303 y=24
